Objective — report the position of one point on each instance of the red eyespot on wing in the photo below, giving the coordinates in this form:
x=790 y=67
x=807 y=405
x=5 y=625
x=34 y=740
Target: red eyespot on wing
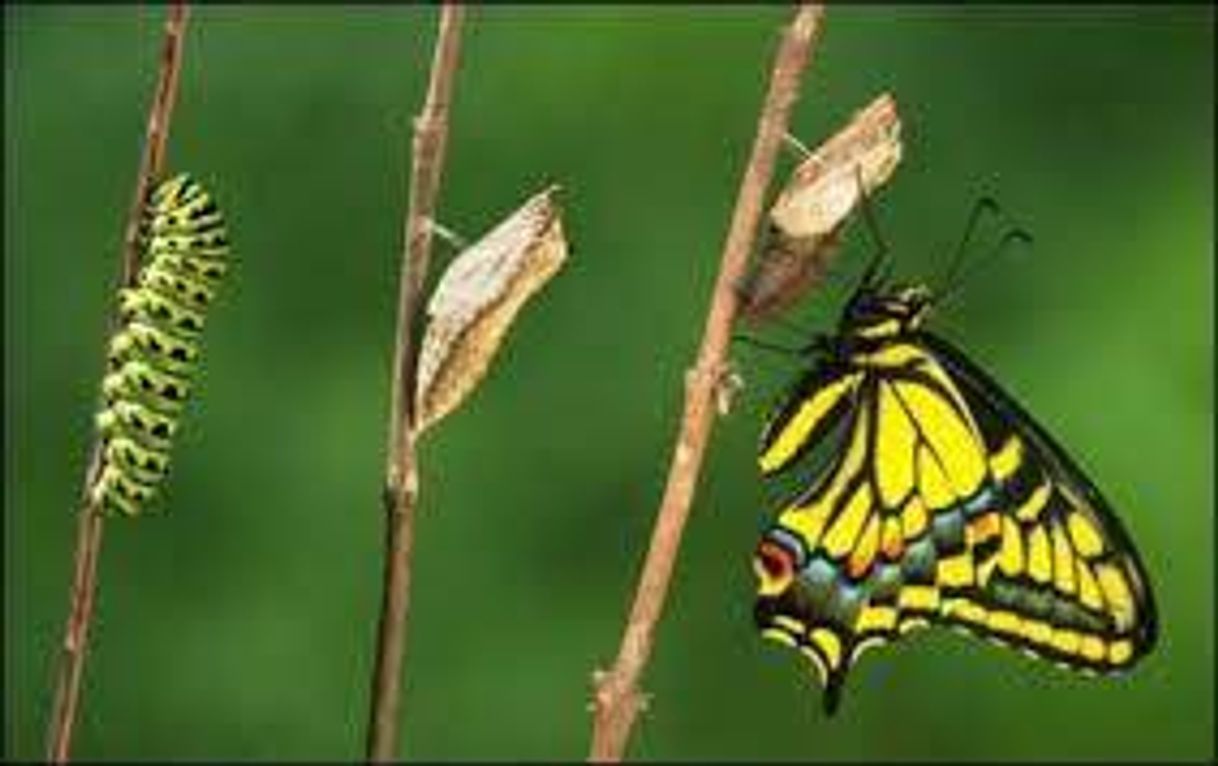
x=775 y=560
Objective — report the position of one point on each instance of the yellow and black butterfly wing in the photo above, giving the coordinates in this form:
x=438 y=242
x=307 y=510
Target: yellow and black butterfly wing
x=858 y=558
x=816 y=405
x=917 y=518
x=868 y=551
x=1061 y=578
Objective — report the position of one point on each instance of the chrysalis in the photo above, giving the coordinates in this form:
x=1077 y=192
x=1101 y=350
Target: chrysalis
x=805 y=222
x=476 y=300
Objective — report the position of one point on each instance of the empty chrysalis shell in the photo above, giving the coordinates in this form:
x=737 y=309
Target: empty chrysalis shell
x=476 y=300
x=806 y=219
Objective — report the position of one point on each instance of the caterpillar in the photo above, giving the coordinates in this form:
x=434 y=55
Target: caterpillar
x=152 y=358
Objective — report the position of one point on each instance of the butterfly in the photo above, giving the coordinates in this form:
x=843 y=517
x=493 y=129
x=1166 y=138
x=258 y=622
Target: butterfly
x=942 y=502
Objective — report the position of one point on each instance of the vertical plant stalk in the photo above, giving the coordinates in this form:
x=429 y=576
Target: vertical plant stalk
x=400 y=493
x=617 y=699
x=66 y=705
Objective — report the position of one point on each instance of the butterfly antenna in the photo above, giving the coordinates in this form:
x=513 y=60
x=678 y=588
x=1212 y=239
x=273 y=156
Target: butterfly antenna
x=983 y=205
x=1016 y=234
x=1013 y=235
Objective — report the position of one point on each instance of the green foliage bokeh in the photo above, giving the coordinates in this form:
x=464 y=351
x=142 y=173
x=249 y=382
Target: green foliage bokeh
x=240 y=625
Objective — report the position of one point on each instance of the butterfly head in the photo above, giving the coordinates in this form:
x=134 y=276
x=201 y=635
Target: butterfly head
x=875 y=312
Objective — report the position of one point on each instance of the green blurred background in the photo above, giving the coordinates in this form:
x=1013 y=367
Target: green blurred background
x=241 y=624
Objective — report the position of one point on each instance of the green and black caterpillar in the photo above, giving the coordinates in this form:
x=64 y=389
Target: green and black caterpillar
x=153 y=356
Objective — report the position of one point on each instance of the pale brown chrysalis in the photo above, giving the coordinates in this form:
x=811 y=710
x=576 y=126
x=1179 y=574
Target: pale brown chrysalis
x=477 y=298
x=806 y=220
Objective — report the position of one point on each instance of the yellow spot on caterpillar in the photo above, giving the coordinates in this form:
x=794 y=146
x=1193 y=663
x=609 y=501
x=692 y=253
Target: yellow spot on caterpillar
x=106 y=421
x=1030 y=508
x=912 y=623
x=1086 y=539
x=956 y=571
x=1006 y=460
x=113 y=490
x=1040 y=565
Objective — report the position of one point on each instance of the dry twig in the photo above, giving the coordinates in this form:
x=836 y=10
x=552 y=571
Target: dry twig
x=617 y=699
x=401 y=482
x=89 y=527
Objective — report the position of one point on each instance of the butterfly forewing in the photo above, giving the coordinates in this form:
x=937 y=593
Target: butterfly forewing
x=815 y=407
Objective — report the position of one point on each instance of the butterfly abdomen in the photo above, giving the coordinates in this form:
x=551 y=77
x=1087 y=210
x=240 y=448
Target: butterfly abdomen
x=153 y=357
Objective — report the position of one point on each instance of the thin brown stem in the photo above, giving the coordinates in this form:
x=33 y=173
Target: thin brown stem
x=66 y=704
x=401 y=474
x=617 y=700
